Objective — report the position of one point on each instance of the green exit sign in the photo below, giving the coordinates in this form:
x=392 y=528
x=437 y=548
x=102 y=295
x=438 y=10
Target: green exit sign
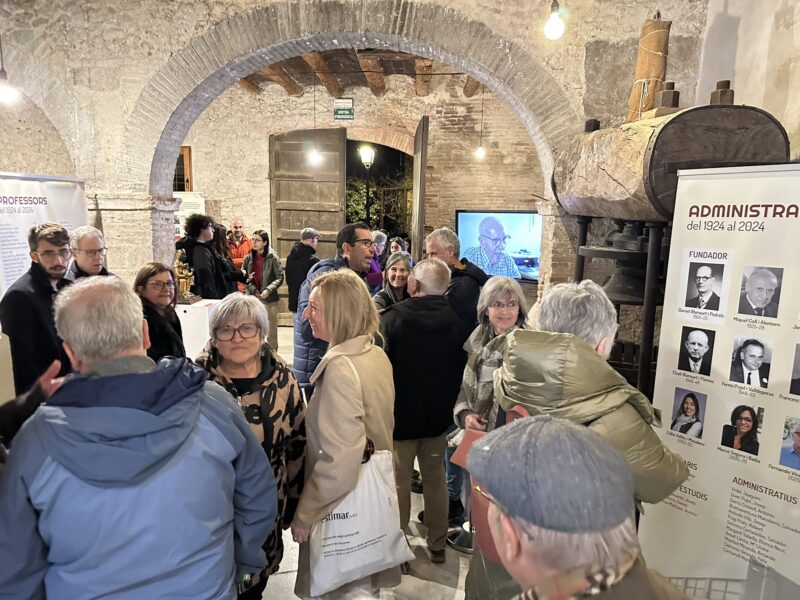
x=343 y=109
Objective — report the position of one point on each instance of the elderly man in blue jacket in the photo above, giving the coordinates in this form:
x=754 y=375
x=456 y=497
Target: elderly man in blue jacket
x=134 y=480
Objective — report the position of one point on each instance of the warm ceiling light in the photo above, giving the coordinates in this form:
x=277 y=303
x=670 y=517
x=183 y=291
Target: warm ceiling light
x=554 y=27
x=367 y=154
x=314 y=157
x=480 y=153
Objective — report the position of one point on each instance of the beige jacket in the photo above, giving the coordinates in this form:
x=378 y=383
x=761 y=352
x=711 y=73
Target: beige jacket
x=344 y=410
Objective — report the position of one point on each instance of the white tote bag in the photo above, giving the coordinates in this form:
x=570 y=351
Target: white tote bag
x=362 y=535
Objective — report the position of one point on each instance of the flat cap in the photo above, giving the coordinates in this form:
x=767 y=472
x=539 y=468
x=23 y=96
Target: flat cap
x=309 y=233
x=554 y=474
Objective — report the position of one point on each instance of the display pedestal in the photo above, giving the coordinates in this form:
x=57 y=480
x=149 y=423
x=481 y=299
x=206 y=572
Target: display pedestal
x=194 y=322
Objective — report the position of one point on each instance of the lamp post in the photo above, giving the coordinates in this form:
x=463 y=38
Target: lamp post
x=367 y=154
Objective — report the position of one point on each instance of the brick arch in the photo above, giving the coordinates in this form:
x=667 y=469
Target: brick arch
x=398 y=140
x=192 y=78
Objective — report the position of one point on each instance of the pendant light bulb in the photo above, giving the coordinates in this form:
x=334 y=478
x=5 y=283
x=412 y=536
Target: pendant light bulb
x=554 y=27
x=314 y=157
x=480 y=153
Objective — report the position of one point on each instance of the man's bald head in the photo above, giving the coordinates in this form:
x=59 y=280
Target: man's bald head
x=429 y=277
x=760 y=287
x=696 y=344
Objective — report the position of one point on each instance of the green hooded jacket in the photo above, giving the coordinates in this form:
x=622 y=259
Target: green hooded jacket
x=561 y=375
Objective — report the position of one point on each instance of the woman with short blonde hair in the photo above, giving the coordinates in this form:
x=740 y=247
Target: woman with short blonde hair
x=353 y=401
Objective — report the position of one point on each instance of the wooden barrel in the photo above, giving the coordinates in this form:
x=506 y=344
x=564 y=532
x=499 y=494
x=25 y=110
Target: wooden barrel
x=630 y=172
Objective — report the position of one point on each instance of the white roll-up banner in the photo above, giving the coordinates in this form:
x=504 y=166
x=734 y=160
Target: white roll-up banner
x=728 y=387
x=26 y=200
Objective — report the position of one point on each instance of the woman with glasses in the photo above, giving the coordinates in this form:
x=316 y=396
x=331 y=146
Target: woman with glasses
x=240 y=360
x=742 y=433
x=395 y=287
x=264 y=276
x=501 y=309
x=155 y=285
x=353 y=400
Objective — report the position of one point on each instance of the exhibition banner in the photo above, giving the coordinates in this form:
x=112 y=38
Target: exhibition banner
x=728 y=387
x=26 y=200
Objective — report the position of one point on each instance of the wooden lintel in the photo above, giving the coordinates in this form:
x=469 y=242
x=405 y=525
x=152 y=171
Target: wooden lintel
x=471 y=86
x=373 y=72
x=279 y=76
x=319 y=65
x=250 y=85
x=424 y=68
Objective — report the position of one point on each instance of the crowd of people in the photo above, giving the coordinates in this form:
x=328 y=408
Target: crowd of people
x=134 y=471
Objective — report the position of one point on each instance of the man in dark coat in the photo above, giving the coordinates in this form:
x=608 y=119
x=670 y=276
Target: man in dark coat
x=88 y=253
x=749 y=367
x=208 y=270
x=706 y=299
x=301 y=258
x=694 y=355
x=26 y=311
x=466 y=279
x=758 y=291
x=353 y=251
x=424 y=342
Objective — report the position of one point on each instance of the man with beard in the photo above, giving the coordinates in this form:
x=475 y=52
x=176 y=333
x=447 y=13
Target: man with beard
x=26 y=311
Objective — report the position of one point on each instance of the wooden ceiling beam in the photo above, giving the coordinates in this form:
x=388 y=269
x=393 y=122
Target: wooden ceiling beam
x=283 y=79
x=319 y=65
x=424 y=68
x=373 y=72
x=471 y=86
x=250 y=85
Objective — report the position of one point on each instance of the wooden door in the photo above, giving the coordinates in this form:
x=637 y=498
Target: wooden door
x=304 y=194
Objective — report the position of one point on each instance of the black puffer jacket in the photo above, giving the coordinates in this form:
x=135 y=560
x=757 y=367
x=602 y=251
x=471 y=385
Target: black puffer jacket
x=466 y=281
x=424 y=340
x=300 y=260
x=209 y=272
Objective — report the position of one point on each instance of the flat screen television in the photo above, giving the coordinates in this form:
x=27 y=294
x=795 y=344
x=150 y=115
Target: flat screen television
x=502 y=242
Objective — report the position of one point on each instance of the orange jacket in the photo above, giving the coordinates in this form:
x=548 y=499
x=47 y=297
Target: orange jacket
x=240 y=250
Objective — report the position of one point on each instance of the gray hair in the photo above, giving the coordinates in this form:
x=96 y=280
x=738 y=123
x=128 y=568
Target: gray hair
x=378 y=237
x=582 y=309
x=497 y=289
x=446 y=237
x=591 y=552
x=238 y=307
x=100 y=318
x=77 y=234
x=399 y=256
x=433 y=276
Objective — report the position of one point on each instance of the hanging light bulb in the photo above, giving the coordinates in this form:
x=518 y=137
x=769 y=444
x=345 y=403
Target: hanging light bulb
x=314 y=156
x=8 y=93
x=480 y=153
x=554 y=27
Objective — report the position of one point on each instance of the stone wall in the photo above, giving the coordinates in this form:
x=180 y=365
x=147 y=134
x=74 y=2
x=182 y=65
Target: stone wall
x=30 y=142
x=230 y=145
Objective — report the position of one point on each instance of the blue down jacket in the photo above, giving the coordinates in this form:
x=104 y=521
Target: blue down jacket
x=141 y=485
x=308 y=350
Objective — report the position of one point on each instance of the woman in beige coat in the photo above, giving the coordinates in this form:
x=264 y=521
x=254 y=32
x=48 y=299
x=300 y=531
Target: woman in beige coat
x=353 y=400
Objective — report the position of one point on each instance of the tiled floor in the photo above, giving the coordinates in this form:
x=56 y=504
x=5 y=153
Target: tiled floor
x=426 y=580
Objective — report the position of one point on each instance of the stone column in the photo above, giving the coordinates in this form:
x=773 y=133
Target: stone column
x=138 y=228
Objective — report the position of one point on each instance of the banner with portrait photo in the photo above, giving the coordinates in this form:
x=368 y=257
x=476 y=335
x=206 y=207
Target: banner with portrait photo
x=27 y=200
x=728 y=387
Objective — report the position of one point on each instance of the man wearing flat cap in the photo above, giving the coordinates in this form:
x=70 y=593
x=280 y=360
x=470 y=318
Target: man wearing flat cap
x=563 y=519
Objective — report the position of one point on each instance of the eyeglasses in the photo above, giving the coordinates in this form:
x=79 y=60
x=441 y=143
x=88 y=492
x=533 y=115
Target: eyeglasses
x=796 y=433
x=93 y=253
x=702 y=278
x=50 y=255
x=367 y=242
x=160 y=285
x=513 y=304
x=246 y=332
x=744 y=419
x=477 y=487
x=496 y=241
